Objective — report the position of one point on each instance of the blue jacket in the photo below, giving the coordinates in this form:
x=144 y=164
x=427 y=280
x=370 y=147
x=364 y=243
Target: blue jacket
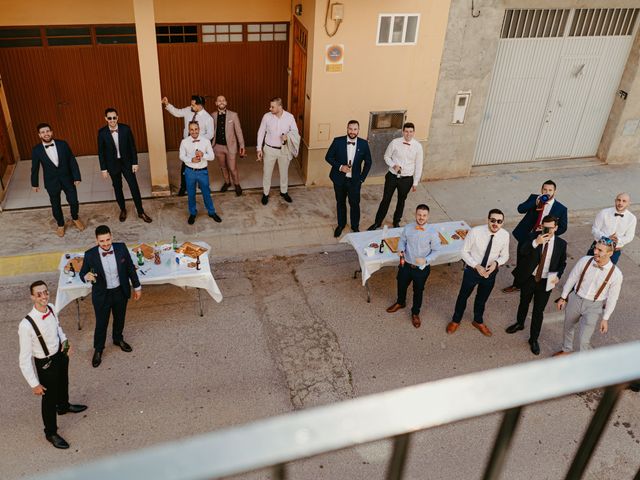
x=65 y=173
x=528 y=207
x=337 y=156
x=126 y=270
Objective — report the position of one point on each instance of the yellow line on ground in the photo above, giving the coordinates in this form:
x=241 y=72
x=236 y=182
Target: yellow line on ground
x=26 y=264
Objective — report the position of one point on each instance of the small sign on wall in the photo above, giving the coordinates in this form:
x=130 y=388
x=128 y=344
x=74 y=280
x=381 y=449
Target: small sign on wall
x=334 y=58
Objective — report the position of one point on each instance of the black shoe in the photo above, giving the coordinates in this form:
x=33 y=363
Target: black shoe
x=225 y=187
x=123 y=215
x=265 y=199
x=97 y=359
x=72 y=409
x=124 y=346
x=286 y=197
x=634 y=387
x=238 y=190
x=182 y=192
x=396 y=224
x=338 y=231
x=535 y=347
x=215 y=217
x=355 y=230
x=514 y=328
x=146 y=218
x=191 y=220
x=57 y=441
x=375 y=226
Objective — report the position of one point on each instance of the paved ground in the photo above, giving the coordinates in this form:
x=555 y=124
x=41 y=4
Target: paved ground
x=294 y=332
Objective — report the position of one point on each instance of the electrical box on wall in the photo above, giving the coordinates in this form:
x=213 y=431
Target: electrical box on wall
x=460 y=107
x=337 y=11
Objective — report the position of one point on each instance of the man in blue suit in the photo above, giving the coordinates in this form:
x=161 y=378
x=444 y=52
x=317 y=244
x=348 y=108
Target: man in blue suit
x=61 y=173
x=350 y=160
x=110 y=268
x=535 y=208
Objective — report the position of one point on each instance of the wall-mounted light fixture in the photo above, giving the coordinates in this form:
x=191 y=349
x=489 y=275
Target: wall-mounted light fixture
x=298 y=9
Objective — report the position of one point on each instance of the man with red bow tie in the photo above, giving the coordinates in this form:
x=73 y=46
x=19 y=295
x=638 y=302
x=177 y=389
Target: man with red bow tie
x=417 y=246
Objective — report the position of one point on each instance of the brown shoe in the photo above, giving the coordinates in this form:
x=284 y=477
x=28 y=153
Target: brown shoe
x=395 y=307
x=560 y=353
x=123 y=215
x=483 y=329
x=60 y=231
x=452 y=327
x=145 y=217
x=511 y=289
x=415 y=320
x=79 y=225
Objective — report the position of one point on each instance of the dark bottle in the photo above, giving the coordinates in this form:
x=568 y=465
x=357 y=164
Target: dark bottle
x=198 y=263
x=72 y=271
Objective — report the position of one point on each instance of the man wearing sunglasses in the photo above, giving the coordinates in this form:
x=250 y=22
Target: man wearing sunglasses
x=118 y=157
x=616 y=223
x=486 y=247
x=50 y=354
x=590 y=293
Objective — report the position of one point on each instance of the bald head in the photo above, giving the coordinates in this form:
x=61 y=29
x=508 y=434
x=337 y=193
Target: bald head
x=622 y=201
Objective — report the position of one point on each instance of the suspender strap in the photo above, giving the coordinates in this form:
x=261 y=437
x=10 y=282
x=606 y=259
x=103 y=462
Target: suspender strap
x=604 y=284
x=39 y=335
x=586 y=267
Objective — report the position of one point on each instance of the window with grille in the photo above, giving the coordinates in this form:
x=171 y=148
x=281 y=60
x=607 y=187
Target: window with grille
x=398 y=29
x=115 y=34
x=20 y=37
x=65 y=36
x=177 y=33
x=594 y=22
x=534 y=23
x=266 y=32
x=222 y=33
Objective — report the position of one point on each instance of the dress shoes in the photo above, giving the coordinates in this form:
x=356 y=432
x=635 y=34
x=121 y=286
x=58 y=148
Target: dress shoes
x=535 y=347
x=511 y=289
x=238 y=189
x=215 y=217
x=79 y=225
x=415 y=320
x=452 y=327
x=355 y=230
x=483 y=328
x=123 y=215
x=514 y=328
x=561 y=353
x=72 y=409
x=225 y=187
x=146 y=218
x=97 y=359
x=57 y=441
x=375 y=226
x=60 y=231
x=394 y=308
x=634 y=387
x=265 y=199
x=182 y=192
x=191 y=220
x=124 y=346
x=396 y=224
x=286 y=197
x=338 y=231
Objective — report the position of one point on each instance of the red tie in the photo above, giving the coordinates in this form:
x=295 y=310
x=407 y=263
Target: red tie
x=46 y=314
x=539 y=219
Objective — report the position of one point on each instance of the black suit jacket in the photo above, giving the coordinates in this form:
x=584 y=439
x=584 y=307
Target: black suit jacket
x=126 y=270
x=107 y=153
x=337 y=156
x=531 y=258
x=528 y=207
x=65 y=173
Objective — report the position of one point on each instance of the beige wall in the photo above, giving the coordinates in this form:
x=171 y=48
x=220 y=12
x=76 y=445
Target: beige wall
x=222 y=11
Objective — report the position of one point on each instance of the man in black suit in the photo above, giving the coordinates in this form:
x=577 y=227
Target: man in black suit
x=535 y=208
x=61 y=173
x=118 y=157
x=542 y=263
x=110 y=268
x=346 y=156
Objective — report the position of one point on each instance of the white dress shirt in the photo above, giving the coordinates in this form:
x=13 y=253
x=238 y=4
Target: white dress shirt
x=607 y=223
x=409 y=157
x=547 y=207
x=30 y=345
x=592 y=281
x=272 y=126
x=110 y=267
x=52 y=153
x=351 y=152
x=188 y=148
x=547 y=259
x=204 y=119
x=114 y=135
x=475 y=244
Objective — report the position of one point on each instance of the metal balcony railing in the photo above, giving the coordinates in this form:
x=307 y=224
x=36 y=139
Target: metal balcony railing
x=278 y=441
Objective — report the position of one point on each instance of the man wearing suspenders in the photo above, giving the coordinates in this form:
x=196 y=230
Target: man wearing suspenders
x=591 y=292
x=42 y=339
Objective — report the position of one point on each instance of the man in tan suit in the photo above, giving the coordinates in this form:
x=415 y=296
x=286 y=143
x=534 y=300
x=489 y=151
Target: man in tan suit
x=226 y=139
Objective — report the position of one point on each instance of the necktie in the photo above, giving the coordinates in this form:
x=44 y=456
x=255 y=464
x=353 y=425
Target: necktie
x=418 y=227
x=485 y=259
x=195 y=141
x=406 y=143
x=110 y=252
x=193 y=119
x=543 y=257
x=351 y=143
x=50 y=145
x=46 y=314
x=539 y=219
x=618 y=214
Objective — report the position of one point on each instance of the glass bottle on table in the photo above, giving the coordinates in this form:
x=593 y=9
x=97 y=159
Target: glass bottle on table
x=93 y=272
x=140 y=257
x=175 y=243
x=156 y=254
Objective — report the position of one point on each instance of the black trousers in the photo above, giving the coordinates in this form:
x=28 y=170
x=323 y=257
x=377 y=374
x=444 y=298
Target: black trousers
x=350 y=189
x=116 y=180
x=471 y=279
x=114 y=301
x=530 y=289
x=391 y=183
x=72 y=198
x=406 y=275
x=56 y=380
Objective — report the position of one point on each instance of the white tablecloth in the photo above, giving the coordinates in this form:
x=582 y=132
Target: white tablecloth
x=70 y=288
x=369 y=265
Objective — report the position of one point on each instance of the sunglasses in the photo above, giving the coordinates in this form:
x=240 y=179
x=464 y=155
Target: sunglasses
x=607 y=241
x=496 y=220
x=42 y=294
x=112 y=118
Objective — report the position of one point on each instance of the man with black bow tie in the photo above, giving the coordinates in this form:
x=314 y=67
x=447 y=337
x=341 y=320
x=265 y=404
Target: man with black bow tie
x=616 y=223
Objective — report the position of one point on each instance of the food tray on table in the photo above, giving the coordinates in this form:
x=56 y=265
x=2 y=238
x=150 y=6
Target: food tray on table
x=191 y=250
x=460 y=234
x=76 y=262
x=392 y=243
x=147 y=250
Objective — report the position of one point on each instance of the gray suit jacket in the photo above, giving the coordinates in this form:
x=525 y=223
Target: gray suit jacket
x=233 y=131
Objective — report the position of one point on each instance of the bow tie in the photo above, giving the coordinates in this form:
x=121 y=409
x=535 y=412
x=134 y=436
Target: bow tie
x=110 y=252
x=113 y=131
x=418 y=227
x=195 y=141
x=594 y=264
x=50 y=145
x=351 y=143
x=406 y=143
x=46 y=314
x=618 y=214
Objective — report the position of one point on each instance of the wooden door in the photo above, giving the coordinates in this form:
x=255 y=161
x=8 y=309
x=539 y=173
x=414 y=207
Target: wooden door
x=299 y=73
x=6 y=155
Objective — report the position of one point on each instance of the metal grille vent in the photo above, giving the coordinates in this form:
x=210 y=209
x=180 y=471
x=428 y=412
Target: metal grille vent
x=534 y=23
x=595 y=22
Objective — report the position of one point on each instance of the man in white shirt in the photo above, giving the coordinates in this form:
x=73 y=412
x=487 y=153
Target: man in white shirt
x=616 y=223
x=50 y=379
x=591 y=293
x=193 y=113
x=273 y=145
x=486 y=247
x=195 y=152
x=404 y=157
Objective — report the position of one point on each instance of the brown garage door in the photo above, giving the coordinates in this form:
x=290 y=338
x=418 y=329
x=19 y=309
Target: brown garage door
x=245 y=62
x=66 y=76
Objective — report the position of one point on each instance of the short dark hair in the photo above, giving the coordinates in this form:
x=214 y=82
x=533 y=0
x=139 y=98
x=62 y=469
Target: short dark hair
x=408 y=125
x=193 y=122
x=496 y=211
x=550 y=182
x=423 y=206
x=353 y=122
x=200 y=100
x=110 y=109
x=43 y=125
x=102 y=230
x=35 y=284
x=277 y=100
x=550 y=218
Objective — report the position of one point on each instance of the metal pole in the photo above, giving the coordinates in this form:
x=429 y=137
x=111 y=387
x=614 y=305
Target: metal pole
x=502 y=444
x=280 y=471
x=200 y=303
x=637 y=477
x=398 y=457
x=366 y=286
x=594 y=432
x=78 y=314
